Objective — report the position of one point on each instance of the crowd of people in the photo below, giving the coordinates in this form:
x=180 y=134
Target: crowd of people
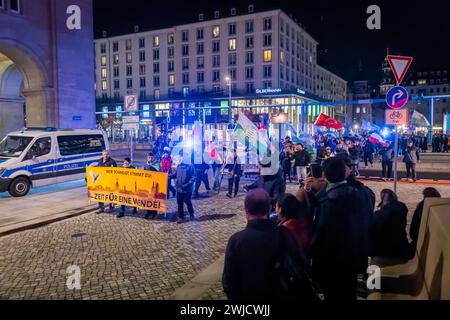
x=440 y=143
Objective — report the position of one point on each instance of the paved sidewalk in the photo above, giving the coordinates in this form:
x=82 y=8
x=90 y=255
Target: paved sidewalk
x=43 y=205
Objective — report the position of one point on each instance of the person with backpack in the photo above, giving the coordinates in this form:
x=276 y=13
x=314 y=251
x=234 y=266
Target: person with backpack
x=263 y=262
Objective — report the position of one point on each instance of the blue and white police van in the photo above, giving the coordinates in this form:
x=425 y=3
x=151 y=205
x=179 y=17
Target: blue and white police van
x=40 y=157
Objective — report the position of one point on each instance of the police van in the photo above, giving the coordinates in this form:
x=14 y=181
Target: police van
x=40 y=157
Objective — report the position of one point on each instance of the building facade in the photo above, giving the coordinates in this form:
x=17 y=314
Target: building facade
x=265 y=58
x=45 y=69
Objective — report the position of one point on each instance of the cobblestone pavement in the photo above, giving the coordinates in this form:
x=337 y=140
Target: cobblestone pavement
x=130 y=258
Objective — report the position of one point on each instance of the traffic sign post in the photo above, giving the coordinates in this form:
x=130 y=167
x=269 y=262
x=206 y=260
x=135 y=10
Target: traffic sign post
x=396 y=99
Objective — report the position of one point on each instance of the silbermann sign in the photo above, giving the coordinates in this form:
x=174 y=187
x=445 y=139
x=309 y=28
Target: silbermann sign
x=277 y=90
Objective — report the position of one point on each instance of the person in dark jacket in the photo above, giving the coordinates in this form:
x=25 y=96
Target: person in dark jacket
x=388 y=237
x=340 y=242
x=354 y=151
x=166 y=167
x=417 y=218
x=411 y=157
x=106 y=161
x=152 y=165
x=234 y=170
x=302 y=161
x=251 y=255
x=126 y=164
x=387 y=160
x=368 y=153
x=201 y=175
x=184 y=184
x=286 y=158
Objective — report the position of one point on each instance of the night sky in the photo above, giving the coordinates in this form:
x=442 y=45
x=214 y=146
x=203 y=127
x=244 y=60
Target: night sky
x=417 y=28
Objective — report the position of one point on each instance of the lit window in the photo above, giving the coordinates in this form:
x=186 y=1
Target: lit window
x=267 y=55
x=156 y=41
x=116 y=59
x=216 y=32
x=232 y=44
x=104 y=85
x=282 y=56
x=104 y=73
x=103 y=60
x=171 y=80
x=170 y=38
x=422 y=82
x=129 y=57
x=157 y=94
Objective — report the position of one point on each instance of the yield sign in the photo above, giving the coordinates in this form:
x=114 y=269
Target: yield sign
x=399 y=66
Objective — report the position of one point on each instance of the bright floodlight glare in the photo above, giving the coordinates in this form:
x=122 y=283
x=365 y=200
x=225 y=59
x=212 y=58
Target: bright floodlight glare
x=227 y=78
x=356 y=127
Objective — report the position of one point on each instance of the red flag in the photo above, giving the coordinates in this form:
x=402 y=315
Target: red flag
x=325 y=121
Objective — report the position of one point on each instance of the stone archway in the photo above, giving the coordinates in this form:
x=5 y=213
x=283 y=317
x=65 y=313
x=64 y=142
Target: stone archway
x=25 y=94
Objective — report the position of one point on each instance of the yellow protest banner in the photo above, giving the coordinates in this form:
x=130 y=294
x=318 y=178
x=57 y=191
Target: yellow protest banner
x=146 y=190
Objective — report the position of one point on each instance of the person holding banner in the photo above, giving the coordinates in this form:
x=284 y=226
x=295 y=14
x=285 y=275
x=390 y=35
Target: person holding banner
x=126 y=164
x=184 y=184
x=151 y=165
x=106 y=161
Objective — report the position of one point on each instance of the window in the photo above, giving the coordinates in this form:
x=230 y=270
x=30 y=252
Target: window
x=142 y=69
x=128 y=44
x=170 y=38
x=156 y=54
x=200 y=34
x=232 y=59
x=232 y=44
x=116 y=84
x=185 y=78
x=156 y=81
x=170 y=52
x=129 y=70
x=171 y=79
x=143 y=94
x=267 y=84
x=102 y=46
x=232 y=74
x=249 y=42
x=249 y=73
x=104 y=73
x=142 y=56
x=267 y=24
x=185 y=64
x=358 y=109
x=14 y=5
x=116 y=96
x=129 y=57
x=249 y=26
x=250 y=87
x=282 y=56
x=267 y=71
x=249 y=57
x=267 y=55
x=281 y=72
x=116 y=59
x=104 y=85
x=156 y=41
x=103 y=60
x=170 y=66
x=216 y=61
x=200 y=77
x=142 y=82
x=200 y=48
x=75 y=145
x=216 y=32
x=185 y=94
x=185 y=36
x=216 y=76
x=171 y=92
x=216 y=46
x=157 y=94
x=185 y=50
x=129 y=83
x=156 y=68
x=115 y=46
x=267 y=40
x=116 y=72
x=216 y=88
x=200 y=62
x=141 y=43
x=231 y=29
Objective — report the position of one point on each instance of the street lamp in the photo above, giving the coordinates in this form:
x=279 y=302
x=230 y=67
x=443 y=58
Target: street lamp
x=230 y=110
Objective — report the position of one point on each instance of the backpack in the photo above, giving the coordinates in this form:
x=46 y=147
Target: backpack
x=292 y=281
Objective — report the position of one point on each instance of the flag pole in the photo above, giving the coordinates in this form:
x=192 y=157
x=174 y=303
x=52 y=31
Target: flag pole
x=396 y=159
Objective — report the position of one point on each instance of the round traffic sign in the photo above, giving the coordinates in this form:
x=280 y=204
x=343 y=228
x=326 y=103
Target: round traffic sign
x=397 y=97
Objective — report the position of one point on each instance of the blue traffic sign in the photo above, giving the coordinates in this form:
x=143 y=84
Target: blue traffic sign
x=397 y=98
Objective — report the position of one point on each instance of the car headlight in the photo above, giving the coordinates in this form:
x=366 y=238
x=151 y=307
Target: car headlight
x=2 y=170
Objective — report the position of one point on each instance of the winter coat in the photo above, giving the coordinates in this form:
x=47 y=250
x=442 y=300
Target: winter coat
x=184 y=178
x=411 y=155
x=109 y=163
x=302 y=158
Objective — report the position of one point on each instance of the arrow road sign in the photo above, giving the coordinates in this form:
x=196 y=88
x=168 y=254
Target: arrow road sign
x=397 y=98
x=399 y=66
